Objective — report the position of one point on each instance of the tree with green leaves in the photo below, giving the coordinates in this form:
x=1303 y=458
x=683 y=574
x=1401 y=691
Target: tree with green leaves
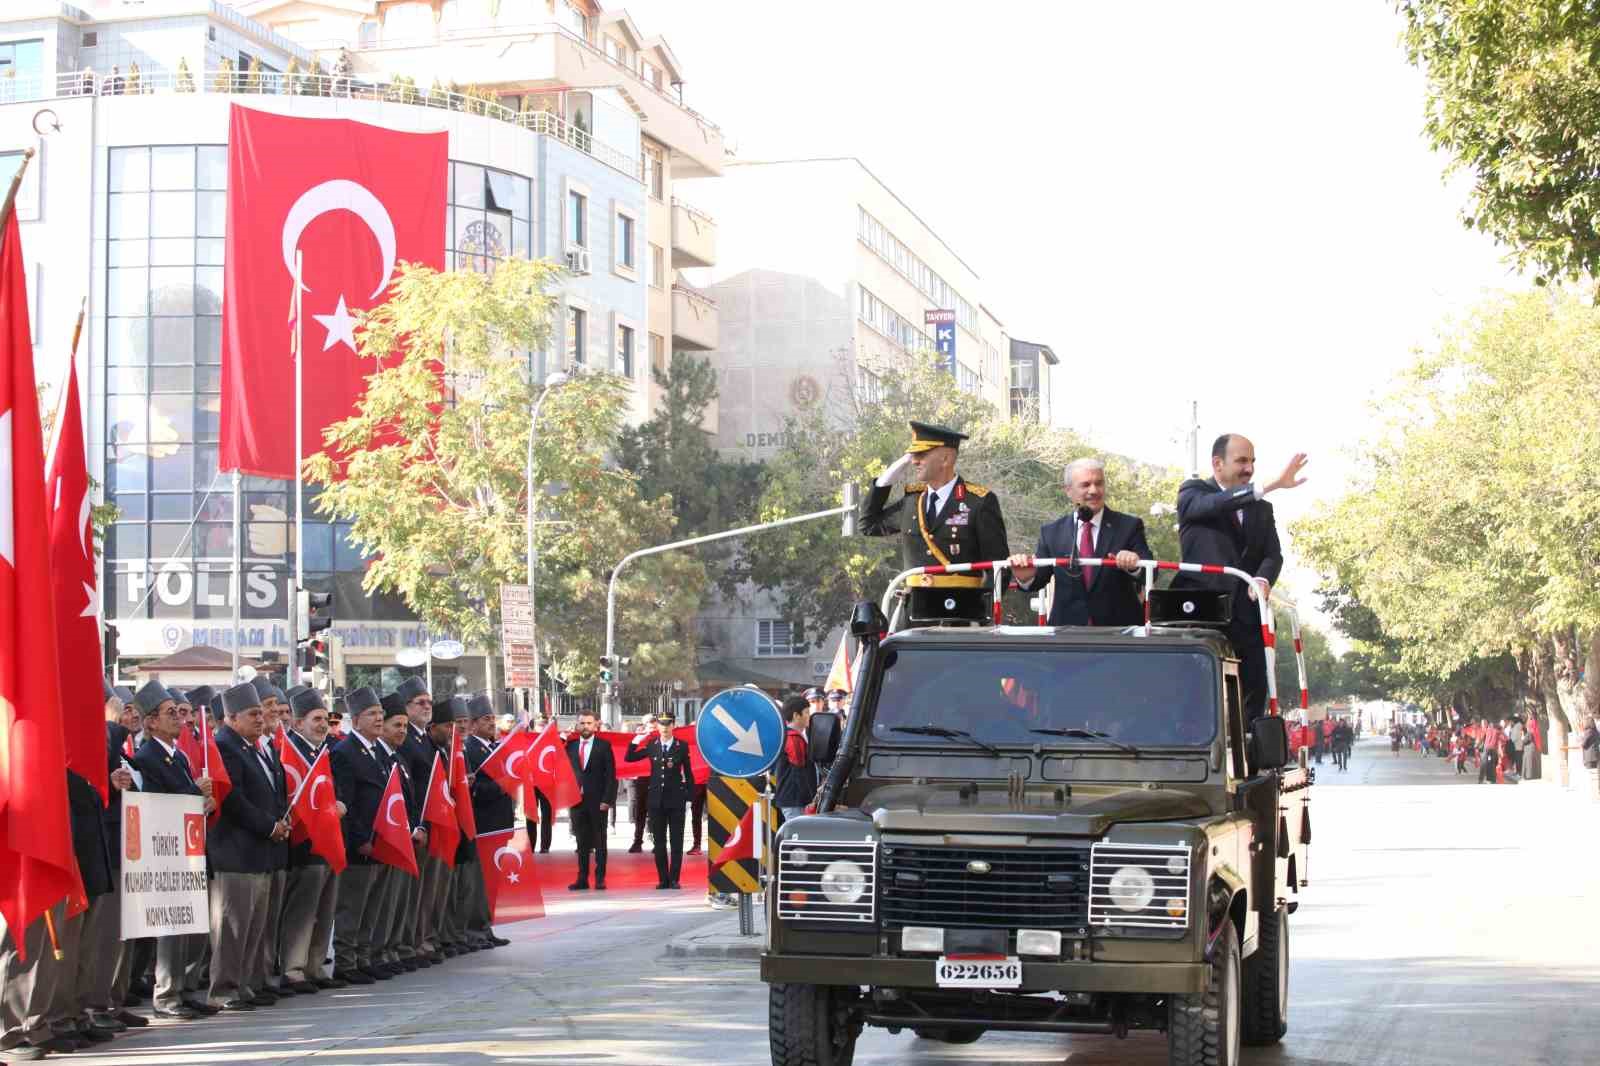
x=431 y=472
x=1514 y=98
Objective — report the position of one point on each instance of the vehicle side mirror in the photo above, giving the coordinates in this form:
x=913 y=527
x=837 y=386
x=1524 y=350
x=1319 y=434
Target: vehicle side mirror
x=1269 y=743
x=867 y=621
x=822 y=737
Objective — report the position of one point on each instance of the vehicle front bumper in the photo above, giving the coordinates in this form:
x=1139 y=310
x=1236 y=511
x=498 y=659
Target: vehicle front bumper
x=1156 y=978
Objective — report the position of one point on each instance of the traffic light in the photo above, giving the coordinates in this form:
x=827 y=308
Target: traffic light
x=315 y=612
x=314 y=657
x=605 y=670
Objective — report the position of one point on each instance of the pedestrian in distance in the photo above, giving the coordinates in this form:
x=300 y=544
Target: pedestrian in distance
x=671 y=785
x=797 y=778
x=596 y=770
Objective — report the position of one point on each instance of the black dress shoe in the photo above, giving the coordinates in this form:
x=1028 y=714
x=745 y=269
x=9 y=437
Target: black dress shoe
x=259 y=1000
x=379 y=974
x=599 y=886
x=131 y=1020
x=186 y=1013
x=269 y=995
x=500 y=941
x=94 y=1034
x=303 y=988
x=410 y=965
x=636 y=849
x=61 y=1045
x=662 y=887
x=200 y=1006
x=578 y=886
x=353 y=977
x=109 y=1022
x=676 y=885
x=242 y=1006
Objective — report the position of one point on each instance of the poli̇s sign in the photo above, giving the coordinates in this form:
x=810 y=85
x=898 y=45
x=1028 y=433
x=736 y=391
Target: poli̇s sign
x=943 y=324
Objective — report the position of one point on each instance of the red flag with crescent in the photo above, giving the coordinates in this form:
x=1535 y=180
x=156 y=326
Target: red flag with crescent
x=548 y=769
x=460 y=791
x=295 y=769
x=391 y=829
x=740 y=845
x=200 y=748
x=438 y=812
x=316 y=815
x=355 y=201
x=505 y=762
x=509 y=880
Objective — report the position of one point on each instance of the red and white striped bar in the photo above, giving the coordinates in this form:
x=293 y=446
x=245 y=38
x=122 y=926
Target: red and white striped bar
x=1150 y=567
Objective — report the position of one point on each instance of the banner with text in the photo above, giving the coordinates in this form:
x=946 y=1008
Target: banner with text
x=163 y=865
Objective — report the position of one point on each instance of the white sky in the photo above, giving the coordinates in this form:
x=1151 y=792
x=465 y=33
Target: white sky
x=1223 y=202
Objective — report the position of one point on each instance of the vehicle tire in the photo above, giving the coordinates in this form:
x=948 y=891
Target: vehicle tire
x=806 y=1026
x=1203 y=1029
x=1266 y=984
x=954 y=1034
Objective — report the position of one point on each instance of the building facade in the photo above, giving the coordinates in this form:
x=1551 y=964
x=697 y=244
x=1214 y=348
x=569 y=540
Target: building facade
x=1032 y=378
x=124 y=212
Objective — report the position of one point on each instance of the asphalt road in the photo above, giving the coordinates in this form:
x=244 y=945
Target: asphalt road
x=1446 y=923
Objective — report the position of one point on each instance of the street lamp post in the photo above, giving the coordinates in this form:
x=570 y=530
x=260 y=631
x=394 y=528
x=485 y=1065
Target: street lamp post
x=554 y=381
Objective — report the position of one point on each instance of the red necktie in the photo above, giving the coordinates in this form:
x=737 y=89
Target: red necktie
x=1086 y=548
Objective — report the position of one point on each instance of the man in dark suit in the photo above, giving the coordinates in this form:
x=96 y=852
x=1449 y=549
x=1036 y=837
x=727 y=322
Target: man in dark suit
x=398 y=886
x=940 y=519
x=107 y=956
x=241 y=849
x=416 y=753
x=164 y=770
x=671 y=786
x=492 y=808
x=596 y=770
x=360 y=774
x=311 y=890
x=1226 y=520
x=1096 y=595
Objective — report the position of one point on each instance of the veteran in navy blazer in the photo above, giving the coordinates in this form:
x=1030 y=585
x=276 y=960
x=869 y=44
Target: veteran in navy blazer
x=1225 y=519
x=1095 y=595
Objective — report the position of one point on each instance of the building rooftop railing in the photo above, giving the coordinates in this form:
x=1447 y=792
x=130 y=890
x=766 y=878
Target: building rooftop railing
x=272 y=83
x=693 y=293
x=694 y=212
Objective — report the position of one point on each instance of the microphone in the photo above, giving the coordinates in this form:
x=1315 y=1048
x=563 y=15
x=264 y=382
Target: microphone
x=1085 y=514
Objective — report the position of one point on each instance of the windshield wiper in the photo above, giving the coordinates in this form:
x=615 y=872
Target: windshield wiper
x=1089 y=734
x=944 y=731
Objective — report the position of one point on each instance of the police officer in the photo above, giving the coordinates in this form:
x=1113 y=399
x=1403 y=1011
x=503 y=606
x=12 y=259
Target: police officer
x=671 y=784
x=940 y=519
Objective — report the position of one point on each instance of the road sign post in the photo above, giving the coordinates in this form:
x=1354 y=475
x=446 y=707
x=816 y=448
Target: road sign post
x=517 y=636
x=740 y=732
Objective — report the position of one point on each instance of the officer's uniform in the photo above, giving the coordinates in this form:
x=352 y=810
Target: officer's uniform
x=966 y=528
x=671 y=787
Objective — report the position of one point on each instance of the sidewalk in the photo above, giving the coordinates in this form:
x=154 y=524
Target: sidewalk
x=720 y=939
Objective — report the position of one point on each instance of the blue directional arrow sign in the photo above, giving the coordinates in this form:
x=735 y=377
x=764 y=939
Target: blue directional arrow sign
x=740 y=732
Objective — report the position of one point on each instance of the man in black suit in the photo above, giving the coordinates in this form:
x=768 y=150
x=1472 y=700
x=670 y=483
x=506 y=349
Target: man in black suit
x=360 y=774
x=241 y=848
x=671 y=787
x=416 y=752
x=596 y=770
x=1226 y=520
x=492 y=809
x=107 y=956
x=164 y=770
x=398 y=886
x=311 y=890
x=1096 y=595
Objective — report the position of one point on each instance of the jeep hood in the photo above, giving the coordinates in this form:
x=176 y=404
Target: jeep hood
x=957 y=808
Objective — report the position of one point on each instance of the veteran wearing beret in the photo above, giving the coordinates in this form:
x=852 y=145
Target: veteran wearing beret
x=941 y=519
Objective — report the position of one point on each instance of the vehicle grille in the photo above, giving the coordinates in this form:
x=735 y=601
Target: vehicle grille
x=1167 y=868
x=1043 y=888
x=803 y=867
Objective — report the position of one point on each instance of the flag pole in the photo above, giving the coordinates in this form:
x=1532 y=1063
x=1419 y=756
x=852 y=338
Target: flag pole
x=238 y=575
x=297 y=348
x=16 y=184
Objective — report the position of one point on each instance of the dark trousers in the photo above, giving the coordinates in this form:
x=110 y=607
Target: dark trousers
x=668 y=867
x=543 y=827
x=638 y=797
x=697 y=811
x=589 y=827
x=1245 y=635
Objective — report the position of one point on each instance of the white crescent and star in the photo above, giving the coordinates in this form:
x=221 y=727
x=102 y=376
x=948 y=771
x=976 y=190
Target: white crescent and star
x=195 y=838
x=320 y=779
x=388 y=810
x=505 y=849
x=542 y=756
x=511 y=762
x=294 y=773
x=340 y=195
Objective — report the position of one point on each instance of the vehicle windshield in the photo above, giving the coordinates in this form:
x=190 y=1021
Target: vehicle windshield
x=1151 y=697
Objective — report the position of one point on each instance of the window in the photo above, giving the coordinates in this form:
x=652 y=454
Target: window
x=877 y=314
x=776 y=638
x=577 y=219
x=616 y=51
x=654 y=173
x=891 y=250
x=650 y=72
x=625 y=351
x=870 y=385
x=22 y=71
x=572 y=19
x=966 y=378
x=90 y=38
x=488 y=218
x=577 y=329
x=627 y=258
x=1022 y=374
x=658 y=352
x=658 y=267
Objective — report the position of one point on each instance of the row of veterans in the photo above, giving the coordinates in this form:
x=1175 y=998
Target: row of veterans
x=276 y=904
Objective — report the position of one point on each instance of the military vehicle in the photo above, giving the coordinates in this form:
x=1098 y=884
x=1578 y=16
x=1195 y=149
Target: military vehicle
x=1063 y=830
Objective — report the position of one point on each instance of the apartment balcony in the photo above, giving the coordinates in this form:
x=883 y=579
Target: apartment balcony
x=694 y=320
x=694 y=237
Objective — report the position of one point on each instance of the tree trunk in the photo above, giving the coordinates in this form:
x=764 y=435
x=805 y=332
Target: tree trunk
x=1548 y=673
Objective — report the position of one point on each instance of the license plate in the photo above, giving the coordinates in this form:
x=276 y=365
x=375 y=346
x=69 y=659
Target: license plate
x=997 y=971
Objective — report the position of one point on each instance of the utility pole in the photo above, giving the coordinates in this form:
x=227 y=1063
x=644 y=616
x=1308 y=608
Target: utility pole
x=1194 y=438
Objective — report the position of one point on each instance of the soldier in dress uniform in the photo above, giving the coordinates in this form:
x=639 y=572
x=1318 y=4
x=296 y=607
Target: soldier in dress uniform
x=671 y=784
x=940 y=519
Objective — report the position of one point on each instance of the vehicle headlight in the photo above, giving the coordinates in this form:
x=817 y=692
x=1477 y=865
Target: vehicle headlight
x=843 y=881
x=1131 y=889
x=798 y=856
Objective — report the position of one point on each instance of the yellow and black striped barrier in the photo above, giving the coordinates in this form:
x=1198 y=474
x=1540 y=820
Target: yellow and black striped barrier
x=727 y=800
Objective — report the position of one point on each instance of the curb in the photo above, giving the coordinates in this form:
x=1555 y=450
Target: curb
x=717 y=940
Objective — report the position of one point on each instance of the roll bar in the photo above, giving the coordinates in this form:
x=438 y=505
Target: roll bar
x=998 y=567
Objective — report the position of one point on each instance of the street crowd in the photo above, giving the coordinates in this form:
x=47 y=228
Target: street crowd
x=1500 y=751
x=280 y=910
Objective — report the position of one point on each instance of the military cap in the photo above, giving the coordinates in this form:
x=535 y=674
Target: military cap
x=442 y=714
x=273 y=692
x=460 y=709
x=839 y=692
x=926 y=437
x=240 y=698
x=288 y=696
x=359 y=700
x=125 y=694
x=392 y=705
x=667 y=717
x=151 y=696
x=110 y=692
x=200 y=696
x=305 y=701
x=479 y=706
x=812 y=693
x=411 y=688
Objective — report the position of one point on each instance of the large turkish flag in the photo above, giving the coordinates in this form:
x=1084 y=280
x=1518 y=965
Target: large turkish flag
x=355 y=200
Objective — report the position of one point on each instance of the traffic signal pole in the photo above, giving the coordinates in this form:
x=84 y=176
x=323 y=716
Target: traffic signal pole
x=610 y=709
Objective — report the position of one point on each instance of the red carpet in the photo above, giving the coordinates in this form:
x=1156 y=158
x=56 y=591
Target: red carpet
x=623 y=870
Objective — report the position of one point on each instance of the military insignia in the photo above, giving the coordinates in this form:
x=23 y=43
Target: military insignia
x=956 y=520
x=963 y=507
x=976 y=490
x=955 y=547
x=960 y=493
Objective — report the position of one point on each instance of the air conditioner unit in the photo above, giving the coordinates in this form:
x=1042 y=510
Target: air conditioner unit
x=578 y=260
